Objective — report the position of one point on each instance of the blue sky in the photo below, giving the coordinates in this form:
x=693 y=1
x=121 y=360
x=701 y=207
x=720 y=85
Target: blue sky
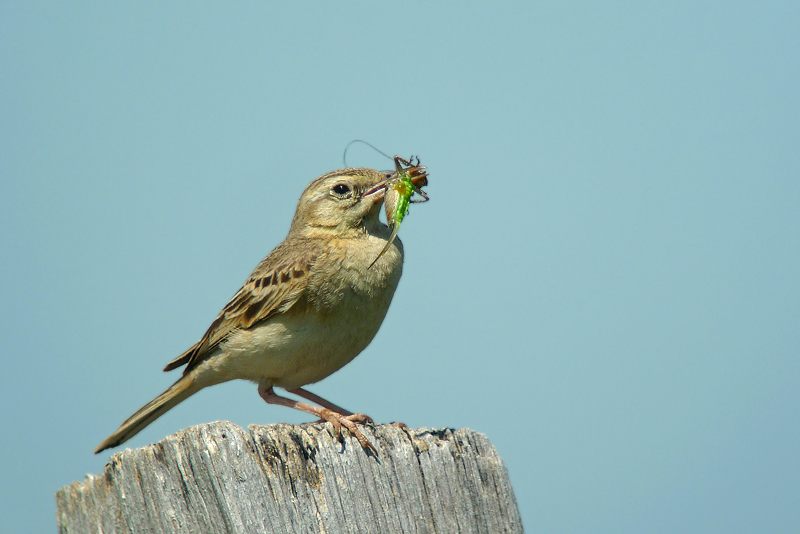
x=605 y=281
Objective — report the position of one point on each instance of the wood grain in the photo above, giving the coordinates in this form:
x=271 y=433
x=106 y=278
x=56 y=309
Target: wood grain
x=299 y=479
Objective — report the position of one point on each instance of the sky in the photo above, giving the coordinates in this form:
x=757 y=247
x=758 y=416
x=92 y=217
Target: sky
x=606 y=280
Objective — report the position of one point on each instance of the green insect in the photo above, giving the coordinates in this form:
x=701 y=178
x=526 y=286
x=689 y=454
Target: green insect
x=408 y=179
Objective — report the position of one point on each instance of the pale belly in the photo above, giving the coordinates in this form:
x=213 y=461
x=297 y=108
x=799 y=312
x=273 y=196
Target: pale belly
x=290 y=352
x=299 y=348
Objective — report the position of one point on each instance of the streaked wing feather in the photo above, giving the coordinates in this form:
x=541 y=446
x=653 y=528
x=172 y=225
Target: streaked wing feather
x=275 y=286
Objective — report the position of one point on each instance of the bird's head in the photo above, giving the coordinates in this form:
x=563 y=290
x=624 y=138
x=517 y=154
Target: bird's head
x=343 y=202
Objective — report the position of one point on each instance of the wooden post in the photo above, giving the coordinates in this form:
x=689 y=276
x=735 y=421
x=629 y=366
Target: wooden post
x=218 y=478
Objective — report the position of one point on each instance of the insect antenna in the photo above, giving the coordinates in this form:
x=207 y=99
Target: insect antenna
x=379 y=151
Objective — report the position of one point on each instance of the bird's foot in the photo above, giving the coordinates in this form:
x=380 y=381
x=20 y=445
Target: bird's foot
x=349 y=422
x=354 y=417
x=334 y=417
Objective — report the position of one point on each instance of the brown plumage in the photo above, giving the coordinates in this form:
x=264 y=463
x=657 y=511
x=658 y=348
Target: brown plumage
x=307 y=309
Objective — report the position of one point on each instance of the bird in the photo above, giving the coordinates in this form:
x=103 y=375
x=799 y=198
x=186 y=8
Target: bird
x=311 y=306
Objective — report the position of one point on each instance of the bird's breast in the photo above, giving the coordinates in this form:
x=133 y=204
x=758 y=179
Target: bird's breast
x=340 y=313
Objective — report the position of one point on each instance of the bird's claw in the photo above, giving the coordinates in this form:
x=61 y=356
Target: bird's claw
x=338 y=421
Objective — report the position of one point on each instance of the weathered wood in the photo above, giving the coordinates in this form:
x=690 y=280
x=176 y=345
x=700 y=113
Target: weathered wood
x=285 y=478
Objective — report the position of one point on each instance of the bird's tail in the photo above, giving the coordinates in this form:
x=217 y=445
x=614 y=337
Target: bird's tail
x=177 y=392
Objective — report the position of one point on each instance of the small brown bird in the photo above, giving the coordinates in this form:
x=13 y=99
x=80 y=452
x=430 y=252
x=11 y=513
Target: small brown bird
x=310 y=307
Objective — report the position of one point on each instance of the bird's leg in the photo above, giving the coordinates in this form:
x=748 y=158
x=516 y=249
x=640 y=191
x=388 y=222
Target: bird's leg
x=335 y=418
x=356 y=417
x=300 y=392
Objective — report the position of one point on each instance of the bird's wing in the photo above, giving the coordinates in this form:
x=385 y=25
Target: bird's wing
x=275 y=286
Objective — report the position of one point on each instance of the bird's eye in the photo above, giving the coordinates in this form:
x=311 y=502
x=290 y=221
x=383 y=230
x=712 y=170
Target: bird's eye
x=341 y=190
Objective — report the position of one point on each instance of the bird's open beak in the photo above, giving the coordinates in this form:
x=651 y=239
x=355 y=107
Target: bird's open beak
x=418 y=177
x=379 y=189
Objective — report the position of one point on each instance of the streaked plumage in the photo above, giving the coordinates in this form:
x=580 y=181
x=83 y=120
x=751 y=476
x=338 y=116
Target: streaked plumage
x=310 y=307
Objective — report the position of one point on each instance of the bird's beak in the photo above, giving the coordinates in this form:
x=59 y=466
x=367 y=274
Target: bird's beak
x=418 y=177
x=378 y=190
